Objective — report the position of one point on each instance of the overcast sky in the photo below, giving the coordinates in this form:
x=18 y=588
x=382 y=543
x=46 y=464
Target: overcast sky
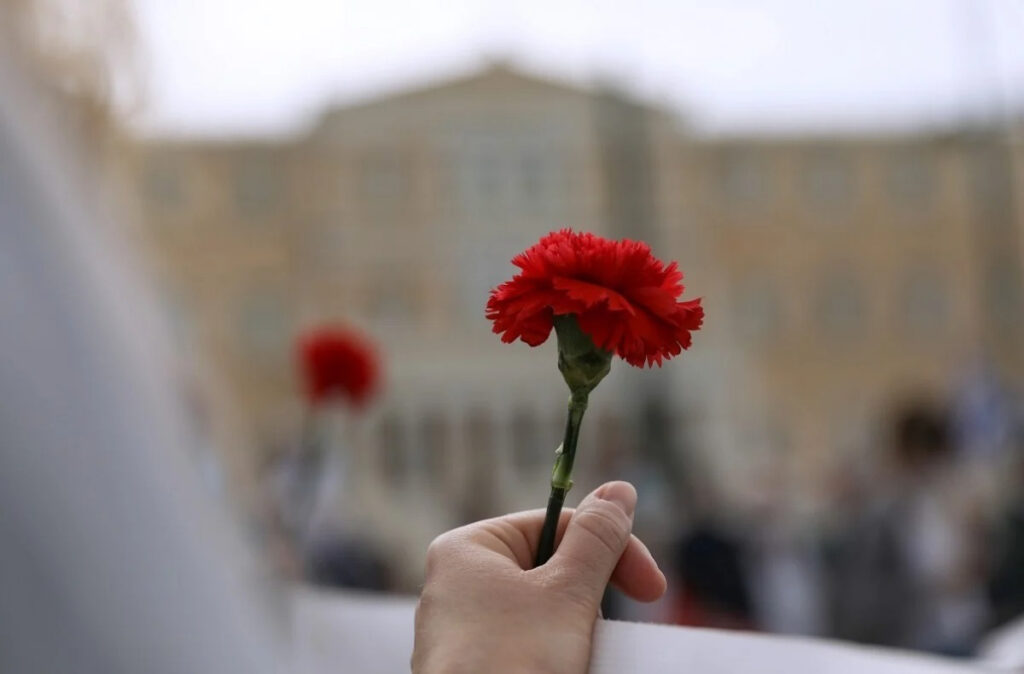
x=258 y=66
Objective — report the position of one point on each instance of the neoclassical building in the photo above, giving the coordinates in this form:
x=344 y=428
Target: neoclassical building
x=840 y=275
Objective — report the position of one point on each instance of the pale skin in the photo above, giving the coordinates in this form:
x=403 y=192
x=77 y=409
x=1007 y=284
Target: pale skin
x=484 y=609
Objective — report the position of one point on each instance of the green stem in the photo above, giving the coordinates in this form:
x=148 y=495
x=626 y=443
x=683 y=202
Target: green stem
x=561 y=476
x=312 y=458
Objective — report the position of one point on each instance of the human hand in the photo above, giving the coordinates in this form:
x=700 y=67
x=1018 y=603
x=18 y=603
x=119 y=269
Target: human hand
x=484 y=609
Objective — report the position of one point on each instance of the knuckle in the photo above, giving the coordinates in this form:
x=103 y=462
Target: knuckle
x=426 y=604
x=605 y=523
x=438 y=550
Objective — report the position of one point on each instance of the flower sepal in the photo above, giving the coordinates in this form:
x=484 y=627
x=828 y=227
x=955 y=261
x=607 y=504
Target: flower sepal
x=582 y=363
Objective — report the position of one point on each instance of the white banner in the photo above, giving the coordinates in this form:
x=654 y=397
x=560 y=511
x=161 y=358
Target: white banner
x=371 y=634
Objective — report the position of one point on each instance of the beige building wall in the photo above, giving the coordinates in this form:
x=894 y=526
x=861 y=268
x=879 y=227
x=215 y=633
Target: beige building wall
x=847 y=273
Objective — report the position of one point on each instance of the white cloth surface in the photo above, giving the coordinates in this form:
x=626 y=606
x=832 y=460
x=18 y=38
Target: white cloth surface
x=113 y=560
x=368 y=634
x=1004 y=647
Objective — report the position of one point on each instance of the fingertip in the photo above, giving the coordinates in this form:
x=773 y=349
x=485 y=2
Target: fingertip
x=622 y=494
x=654 y=589
x=637 y=574
x=662 y=585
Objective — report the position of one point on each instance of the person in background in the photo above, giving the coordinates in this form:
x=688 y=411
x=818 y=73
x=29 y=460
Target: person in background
x=904 y=570
x=784 y=563
x=1005 y=583
x=715 y=591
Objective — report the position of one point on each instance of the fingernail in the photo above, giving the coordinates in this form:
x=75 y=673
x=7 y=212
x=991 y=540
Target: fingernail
x=621 y=494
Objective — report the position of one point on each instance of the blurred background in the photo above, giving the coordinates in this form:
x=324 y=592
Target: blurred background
x=841 y=452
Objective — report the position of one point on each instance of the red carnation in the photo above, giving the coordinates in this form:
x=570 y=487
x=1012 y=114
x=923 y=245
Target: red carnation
x=624 y=298
x=337 y=362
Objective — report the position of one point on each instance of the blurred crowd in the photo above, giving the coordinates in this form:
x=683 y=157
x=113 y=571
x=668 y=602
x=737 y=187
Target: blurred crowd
x=916 y=553
x=918 y=546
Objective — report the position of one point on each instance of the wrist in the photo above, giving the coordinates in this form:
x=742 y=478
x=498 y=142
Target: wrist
x=475 y=654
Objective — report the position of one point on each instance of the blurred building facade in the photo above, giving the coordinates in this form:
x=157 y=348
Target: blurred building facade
x=859 y=272
x=838 y=275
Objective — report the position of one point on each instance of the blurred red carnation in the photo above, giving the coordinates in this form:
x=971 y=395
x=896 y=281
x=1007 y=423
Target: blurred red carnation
x=623 y=297
x=336 y=361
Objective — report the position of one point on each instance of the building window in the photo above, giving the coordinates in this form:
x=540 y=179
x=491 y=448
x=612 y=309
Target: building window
x=758 y=309
x=487 y=178
x=541 y=183
x=435 y=441
x=326 y=244
x=393 y=455
x=483 y=266
x=910 y=178
x=482 y=485
x=990 y=179
x=263 y=323
x=828 y=180
x=745 y=179
x=613 y=448
x=256 y=187
x=840 y=306
x=1005 y=292
x=490 y=180
x=925 y=306
x=507 y=175
x=393 y=301
x=480 y=431
x=383 y=183
x=528 y=452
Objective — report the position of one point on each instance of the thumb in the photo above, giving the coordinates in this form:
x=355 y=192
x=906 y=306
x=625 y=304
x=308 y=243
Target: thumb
x=596 y=537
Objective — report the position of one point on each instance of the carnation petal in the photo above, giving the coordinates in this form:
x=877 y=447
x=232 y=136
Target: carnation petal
x=591 y=294
x=624 y=297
